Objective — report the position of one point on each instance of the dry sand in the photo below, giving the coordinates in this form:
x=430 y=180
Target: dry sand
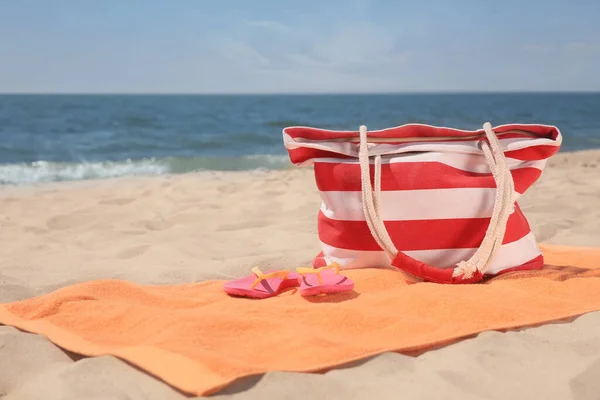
x=179 y=229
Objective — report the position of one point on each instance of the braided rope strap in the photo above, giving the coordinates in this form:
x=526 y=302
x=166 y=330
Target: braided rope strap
x=469 y=271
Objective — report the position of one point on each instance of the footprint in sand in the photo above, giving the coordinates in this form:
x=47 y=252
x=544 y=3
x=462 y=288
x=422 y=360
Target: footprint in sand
x=147 y=193
x=8 y=200
x=565 y=224
x=133 y=232
x=243 y=225
x=117 y=202
x=35 y=230
x=67 y=221
x=134 y=251
x=275 y=192
x=546 y=232
x=227 y=189
x=157 y=225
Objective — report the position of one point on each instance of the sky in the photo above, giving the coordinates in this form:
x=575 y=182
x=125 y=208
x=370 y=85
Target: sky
x=283 y=46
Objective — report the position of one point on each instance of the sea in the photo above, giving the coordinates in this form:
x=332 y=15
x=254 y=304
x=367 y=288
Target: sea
x=48 y=138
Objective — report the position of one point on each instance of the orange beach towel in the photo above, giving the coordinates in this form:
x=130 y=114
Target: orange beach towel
x=198 y=339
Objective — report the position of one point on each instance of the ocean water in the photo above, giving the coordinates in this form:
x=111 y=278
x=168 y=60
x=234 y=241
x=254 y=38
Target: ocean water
x=46 y=138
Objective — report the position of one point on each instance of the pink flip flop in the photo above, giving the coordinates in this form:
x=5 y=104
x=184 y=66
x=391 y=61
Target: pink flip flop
x=324 y=280
x=262 y=285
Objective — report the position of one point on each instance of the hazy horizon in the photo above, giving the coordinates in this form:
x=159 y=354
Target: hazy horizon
x=313 y=47
x=542 y=92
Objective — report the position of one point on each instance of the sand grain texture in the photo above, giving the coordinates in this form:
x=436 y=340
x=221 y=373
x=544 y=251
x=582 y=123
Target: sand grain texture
x=179 y=229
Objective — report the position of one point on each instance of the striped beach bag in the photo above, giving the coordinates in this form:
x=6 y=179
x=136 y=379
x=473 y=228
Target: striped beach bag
x=437 y=203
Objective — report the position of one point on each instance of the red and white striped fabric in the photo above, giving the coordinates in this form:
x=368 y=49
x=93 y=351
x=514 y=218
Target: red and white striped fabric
x=444 y=198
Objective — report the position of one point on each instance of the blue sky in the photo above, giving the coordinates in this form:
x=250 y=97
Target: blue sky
x=271 y=46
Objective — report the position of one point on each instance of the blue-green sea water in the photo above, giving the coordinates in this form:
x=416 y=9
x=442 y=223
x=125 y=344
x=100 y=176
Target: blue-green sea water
x=46 y=138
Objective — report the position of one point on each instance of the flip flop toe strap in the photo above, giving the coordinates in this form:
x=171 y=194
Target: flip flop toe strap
x=261 y=276
x=317 y=271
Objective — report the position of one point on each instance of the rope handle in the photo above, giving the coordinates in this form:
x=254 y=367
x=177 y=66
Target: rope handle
x=469 y=271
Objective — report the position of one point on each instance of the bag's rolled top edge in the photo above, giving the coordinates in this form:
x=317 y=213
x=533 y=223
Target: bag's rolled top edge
x=415 y=130
x=305 y=144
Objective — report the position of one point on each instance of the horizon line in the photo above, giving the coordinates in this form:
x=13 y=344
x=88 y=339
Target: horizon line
x=425 y=92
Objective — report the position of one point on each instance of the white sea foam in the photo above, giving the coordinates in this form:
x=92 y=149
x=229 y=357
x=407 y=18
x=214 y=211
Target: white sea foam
x=44 y=171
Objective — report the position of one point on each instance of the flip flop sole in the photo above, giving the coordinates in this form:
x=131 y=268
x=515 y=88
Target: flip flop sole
x=325 y=289
x=331 y=283
x=265 y=289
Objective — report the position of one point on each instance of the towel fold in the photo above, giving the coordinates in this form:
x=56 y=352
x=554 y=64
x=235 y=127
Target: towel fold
x=198 y=339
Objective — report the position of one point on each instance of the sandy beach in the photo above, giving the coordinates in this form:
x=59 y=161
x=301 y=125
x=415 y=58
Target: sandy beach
x=216 y=225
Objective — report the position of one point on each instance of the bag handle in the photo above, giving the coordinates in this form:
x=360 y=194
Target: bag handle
x=469 y=271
